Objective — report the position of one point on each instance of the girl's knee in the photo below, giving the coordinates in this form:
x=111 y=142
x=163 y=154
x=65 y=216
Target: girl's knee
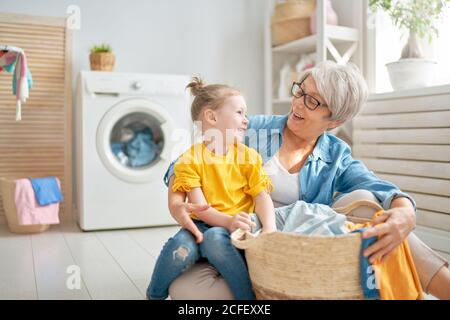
x=182 y=247
x=216 y=243
x=216 y=234
x=184 y=254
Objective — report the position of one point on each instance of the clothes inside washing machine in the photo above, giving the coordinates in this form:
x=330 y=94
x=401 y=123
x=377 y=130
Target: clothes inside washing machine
x=137 y=140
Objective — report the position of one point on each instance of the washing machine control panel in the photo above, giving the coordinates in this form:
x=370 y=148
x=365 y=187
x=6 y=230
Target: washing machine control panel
x=146 y=85
x=158 y=87
x=136 y=85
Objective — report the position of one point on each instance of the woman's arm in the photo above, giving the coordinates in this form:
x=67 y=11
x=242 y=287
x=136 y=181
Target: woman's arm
x=215 y=218
x=353 y=175
x=265 y=211
x=398 y=219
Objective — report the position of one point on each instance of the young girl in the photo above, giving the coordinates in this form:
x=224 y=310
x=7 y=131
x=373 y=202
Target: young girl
x=226 y=174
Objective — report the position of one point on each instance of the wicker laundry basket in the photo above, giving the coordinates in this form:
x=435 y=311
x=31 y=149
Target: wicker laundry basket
x=292 y=266
x=7 y=188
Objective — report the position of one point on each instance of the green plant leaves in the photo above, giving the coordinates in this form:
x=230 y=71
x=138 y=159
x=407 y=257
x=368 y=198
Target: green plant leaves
x=101 y=48
x=417 y=16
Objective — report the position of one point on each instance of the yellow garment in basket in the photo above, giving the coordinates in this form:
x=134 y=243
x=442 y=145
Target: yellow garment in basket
x=397 y=276
x=229 y=183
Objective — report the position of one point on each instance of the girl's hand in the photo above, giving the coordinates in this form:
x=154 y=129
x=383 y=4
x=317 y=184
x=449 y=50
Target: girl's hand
x=242 y=221
x=182 y=211
x=391 y=228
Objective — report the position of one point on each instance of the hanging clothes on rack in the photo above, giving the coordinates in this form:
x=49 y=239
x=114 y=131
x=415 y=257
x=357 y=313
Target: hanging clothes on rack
x=13 y=60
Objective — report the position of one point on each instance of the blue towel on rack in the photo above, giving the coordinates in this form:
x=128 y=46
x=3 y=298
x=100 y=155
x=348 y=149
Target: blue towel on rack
x=46 y=190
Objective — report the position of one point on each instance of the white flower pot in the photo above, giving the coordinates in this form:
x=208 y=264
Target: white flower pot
x=411 y=73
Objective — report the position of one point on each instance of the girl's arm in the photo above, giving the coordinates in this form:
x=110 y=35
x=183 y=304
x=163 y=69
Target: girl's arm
x=259 y=186
x=265 y=211
x=215 y=218
x=181 y=210
x=211 y=216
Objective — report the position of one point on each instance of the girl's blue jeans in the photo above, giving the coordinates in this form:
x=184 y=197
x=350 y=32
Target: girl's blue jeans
x=181 y=251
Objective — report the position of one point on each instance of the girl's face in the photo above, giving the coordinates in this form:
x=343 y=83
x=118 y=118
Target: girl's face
x=230 y=119
x=305 y=123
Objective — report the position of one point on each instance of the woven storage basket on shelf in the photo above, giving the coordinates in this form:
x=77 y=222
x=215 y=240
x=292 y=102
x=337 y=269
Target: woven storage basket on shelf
x=291 y=21
x=292 y=266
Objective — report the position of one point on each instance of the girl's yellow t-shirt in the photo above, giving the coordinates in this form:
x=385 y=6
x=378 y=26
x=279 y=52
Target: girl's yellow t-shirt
x=229 y=183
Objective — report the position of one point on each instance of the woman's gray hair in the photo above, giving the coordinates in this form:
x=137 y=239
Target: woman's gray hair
x=341 y=86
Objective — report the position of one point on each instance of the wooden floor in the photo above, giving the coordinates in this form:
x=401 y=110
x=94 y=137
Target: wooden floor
x=113 y=264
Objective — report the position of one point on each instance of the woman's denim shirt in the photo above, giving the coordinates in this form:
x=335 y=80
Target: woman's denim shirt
x=329 y=169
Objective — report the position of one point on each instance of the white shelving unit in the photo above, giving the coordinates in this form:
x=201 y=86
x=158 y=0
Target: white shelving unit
x=339 y=43
x=335 y=34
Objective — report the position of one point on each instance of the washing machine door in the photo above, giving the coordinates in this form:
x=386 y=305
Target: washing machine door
x=133 y=140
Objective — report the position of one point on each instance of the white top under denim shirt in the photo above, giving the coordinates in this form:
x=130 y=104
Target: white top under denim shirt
x=328 y=169
x=286 y=185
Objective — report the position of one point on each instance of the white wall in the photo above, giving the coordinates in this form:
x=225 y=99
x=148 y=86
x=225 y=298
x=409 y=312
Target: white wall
x=221 y=40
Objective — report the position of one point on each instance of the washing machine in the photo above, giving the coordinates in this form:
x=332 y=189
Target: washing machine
x=129 y=127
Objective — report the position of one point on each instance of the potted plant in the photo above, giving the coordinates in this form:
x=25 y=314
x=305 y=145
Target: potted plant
x=419 y=18
x=102 y=58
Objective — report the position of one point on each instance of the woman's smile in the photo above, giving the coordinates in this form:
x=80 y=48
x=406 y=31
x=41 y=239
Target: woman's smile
x=297 y=116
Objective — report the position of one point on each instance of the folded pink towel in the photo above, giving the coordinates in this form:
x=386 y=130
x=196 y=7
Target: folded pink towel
x=28 y=210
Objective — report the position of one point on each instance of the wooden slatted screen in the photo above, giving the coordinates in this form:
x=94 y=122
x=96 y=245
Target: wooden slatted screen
x=41 y=144
x=407 y=141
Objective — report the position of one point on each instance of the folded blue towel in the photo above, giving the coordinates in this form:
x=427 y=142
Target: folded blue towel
x=46 y=190
x=367 y=273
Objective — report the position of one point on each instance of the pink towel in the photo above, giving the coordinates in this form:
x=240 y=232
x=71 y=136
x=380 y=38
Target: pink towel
x=28 y=210
x=14 y=60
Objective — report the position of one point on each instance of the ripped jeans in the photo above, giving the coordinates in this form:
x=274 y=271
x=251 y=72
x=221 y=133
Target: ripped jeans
x=181 y=251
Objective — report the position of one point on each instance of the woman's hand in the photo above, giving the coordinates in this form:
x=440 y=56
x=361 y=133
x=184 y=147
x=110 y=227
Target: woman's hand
x=242 y=221
x=391 y=228
x=181 y=212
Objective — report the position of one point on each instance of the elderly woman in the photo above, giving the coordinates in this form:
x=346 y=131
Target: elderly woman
x=317 y=167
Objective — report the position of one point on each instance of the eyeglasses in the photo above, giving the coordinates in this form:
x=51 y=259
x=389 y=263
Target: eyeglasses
x=310 y=102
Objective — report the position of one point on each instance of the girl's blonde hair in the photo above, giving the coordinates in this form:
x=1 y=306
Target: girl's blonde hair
x=212 y=95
